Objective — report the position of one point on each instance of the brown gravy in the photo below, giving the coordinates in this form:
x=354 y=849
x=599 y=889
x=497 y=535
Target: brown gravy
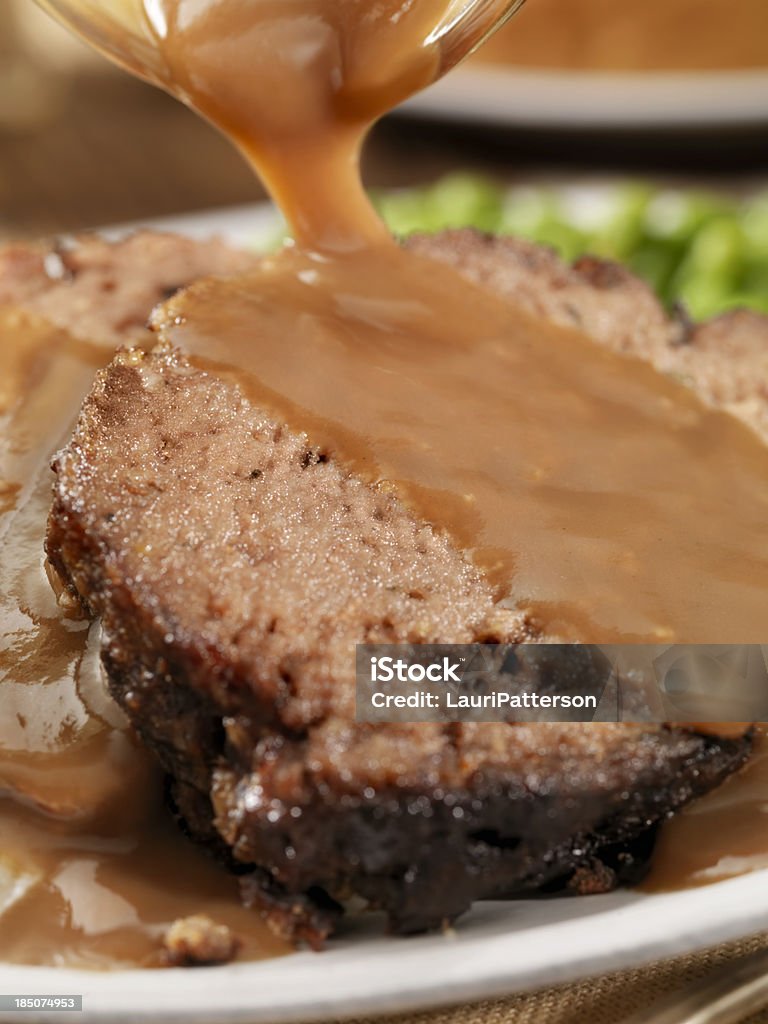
x=459 y=402
x=557 y=461
x=92 y=870
x=723 y=835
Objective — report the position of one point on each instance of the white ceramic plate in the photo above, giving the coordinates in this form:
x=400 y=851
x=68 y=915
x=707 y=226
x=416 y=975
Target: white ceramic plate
x=499 y=948
x=550 y=99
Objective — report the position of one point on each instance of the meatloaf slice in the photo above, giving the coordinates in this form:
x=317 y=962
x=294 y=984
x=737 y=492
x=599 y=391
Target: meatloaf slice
x=100 y=290
x=234 y=567
x=725 y=360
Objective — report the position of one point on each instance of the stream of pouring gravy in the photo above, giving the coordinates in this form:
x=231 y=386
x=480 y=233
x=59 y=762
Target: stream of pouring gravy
x=596 y=493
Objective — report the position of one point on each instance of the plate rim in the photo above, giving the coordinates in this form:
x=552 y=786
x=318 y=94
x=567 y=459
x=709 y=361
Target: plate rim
x=476 y=966
x=596 y=99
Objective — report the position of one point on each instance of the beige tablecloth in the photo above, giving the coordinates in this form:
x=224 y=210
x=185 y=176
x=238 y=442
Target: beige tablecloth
x=604 y=1000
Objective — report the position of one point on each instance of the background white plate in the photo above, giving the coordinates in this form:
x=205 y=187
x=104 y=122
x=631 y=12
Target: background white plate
x=499 y=948
x=552 y=99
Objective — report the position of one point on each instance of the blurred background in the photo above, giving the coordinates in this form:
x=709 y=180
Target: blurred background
x=667 y=93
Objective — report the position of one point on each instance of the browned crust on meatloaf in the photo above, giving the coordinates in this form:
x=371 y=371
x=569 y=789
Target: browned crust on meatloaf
x=223 y=553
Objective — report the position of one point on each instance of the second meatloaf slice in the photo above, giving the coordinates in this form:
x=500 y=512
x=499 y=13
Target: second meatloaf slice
x=234 y=567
